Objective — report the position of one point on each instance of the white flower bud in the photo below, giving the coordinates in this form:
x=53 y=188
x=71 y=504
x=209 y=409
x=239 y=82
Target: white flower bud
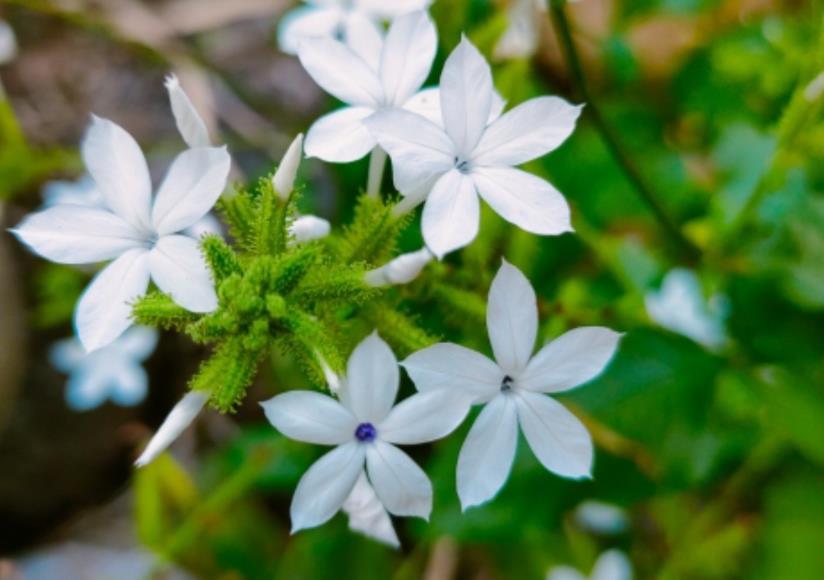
x=284 y=179
x=401 y=270
x=309 y=227
x=190 y=124
x=8 y=43
x=176 y=422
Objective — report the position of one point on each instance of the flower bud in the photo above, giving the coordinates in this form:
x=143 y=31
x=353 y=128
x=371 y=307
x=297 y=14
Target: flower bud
x=401 y=270
x=180 y=417
x=284 y=179
x=189 y=123
x=309 y=227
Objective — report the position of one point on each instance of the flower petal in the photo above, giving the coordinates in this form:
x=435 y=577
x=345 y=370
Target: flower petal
x=310 y=417
x=74 y=234
x=424 y=417
x=420 y=150
x=427 y=103
x=326 y=485
x=557 y=438
x=488 y=452
x=527 y=132
x=402 y=486
x=466 y=96
x=367 y=514
x=407 y=56
x=340 y=136
x=179 y=269
x=307 y=22
x=87 y=388
x=189 y=123
x=451 y=366
x=512 y=319
x=67 y=355
x=180 y=417
x=612 y=565
x=365 y=37
x=572 y=359
x=192 y=186
x=287 y=171
x=104 y=310
x=451 y=215
x=129 y=384
x=372 y=380
x=565 y=573
x=340 y=72
x=390 y=10
x=138 y=343
x=119 y=170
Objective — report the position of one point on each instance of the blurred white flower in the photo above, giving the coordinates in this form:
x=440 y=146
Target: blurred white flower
x=111 y=373
x=611 y=565
x=449 y=167
x=139 y=232
x=680 y=306
x=354 y=22
x=401 y=270
x=178 y=419
x=8 y=43
x=521 y=37
x=364 y=428
x=512 y=389
x=367 y=514
x=600 y=517
x=385 y=77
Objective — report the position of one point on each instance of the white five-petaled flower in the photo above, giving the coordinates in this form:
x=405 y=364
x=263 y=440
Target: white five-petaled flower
x=448 y=167
x=513 y=389
x=139 y=232
x=365 y=426
x=355 y=22
x=113 y=372
x=385 y=76
x=611 y=565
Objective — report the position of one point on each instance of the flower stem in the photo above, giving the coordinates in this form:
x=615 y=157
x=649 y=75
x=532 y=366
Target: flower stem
x=377 y=162
x=620 y=154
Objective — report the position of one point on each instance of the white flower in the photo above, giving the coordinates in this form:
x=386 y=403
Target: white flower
x=522 y=35
x=680 y=306
x=309 y=227
x=611 y=565
x=287 y=171
x=382 y=78
x=8 y=43
x=113 y=372
x=600 y=517
x=364 y=426
x=401 y=270
x=449 y=167
x=367 y=514
x=138 y=232
x=355 y=22
x=513 y=388
x=180 y=417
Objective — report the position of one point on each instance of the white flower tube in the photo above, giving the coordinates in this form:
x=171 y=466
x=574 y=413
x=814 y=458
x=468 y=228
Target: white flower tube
x=180 y=417
x=287 y=171
x=401 y=270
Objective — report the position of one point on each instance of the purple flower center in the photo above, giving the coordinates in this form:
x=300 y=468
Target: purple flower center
x=506 y=384
x=366 y=433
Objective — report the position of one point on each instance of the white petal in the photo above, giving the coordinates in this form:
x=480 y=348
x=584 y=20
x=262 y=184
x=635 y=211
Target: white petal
x=67 y=355
x=179 y=269
x=372 y=380
x=326 y=485
x=365 y=37
x=207 y=225
x=520 y=39
x=401 y=485
x=425 y=417
x=565 y=573
x=488 y=452
x=192 y=186
x=104 y=310
x=523 y=199
x=527 y=132
x=308 y=228
x=87 y=388
x=8 y=43
x=180 y=417
x=427 y=103
x=310 y=417
x=74 y=234
x=367 y=514
x=420 y=150
x=189 y=123
x=307 y=22
x=512 y=319
x=572 y=359
x=451 y=215
x=138 y=343
x=392 y=9
x=340 y=136
x=83 y=191
x=115 y=161
x=466 y=96
x=287 y=171
x=340 y=72
x=451 y=366
x=407 y=56
x=130 y=383
x=557 y=438
x=612 y=565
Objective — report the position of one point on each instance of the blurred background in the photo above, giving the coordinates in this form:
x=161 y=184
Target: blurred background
x=695 y=177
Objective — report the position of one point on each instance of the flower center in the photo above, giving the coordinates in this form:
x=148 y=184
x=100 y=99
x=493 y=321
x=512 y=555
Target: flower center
x=462 y=165
x=506 y=384
x=366 y=433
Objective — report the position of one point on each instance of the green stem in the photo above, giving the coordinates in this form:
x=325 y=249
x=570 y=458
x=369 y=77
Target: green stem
x=618 y=151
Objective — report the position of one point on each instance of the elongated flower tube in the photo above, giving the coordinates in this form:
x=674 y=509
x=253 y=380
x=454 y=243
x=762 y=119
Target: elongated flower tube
x=180 y=417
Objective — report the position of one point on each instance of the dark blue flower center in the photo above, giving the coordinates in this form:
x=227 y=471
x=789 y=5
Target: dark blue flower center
x=366 y=433
x=461 y=165
x=506 y=384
